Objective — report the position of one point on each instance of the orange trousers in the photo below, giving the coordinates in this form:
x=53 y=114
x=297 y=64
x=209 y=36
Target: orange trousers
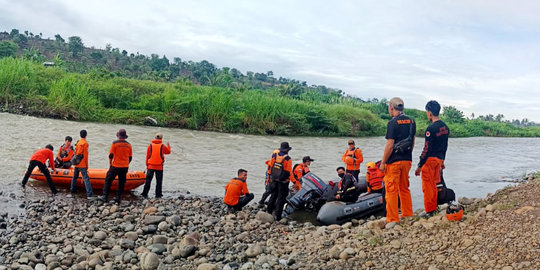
x=431 y=176
x=396 y=183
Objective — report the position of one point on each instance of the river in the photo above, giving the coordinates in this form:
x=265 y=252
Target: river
x=203 y=162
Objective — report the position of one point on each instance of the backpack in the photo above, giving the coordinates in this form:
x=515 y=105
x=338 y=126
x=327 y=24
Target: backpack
x=277 y=171
x=444 y=194
x=405 y=146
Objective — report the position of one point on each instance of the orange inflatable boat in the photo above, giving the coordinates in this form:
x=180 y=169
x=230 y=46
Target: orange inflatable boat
x=97 y=178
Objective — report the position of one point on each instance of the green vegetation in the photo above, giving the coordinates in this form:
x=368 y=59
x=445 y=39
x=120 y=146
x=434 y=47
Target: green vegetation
x=90 y=84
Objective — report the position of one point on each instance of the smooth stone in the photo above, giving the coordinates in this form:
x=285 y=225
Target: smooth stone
x=100 y=235
x=149 y=261
x=264 y=217
x=153 y=219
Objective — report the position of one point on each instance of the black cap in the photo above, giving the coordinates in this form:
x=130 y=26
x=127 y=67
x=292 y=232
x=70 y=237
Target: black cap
x=122 y=134
x=285 y=147
x=307 y=158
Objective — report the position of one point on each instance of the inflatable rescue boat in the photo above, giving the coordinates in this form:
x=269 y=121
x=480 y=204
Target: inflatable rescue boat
x=337 y=212
x=97 y=178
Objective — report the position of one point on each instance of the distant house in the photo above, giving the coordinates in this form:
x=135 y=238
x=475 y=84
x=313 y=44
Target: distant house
x=48 y=64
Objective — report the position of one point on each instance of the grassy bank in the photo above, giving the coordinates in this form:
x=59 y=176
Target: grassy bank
x=102 y=97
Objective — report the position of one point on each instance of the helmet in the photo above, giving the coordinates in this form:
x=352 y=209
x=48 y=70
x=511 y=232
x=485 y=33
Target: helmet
x=370 y=165
x=454 y=212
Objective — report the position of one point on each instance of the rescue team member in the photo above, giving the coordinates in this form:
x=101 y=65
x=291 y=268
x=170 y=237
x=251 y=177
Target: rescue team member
x=120 y=156
x=65 y=153
x=81 y=156
x=155 y=157
x=236 y=192
x=280 y=174
x=353 y=158
x=300 y=170
x=396 y=164
x=39 y=158
x=347 y=191
x=267 y=181
x=374 y=178
x=432 y=157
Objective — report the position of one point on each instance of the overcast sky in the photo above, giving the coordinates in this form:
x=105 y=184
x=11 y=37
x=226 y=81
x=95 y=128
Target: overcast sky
x=480 y=56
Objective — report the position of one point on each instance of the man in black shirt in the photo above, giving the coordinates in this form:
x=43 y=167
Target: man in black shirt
x=347 y=186
x=396 y=161
x=432 y=157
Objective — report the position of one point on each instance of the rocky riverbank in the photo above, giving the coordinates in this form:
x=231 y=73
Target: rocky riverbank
x=499 y=232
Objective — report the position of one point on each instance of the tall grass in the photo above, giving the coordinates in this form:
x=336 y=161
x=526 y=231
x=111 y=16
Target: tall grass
x=91 y=97
x=70 y=97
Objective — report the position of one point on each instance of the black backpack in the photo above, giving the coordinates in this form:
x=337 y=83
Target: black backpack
x=277 y=172
x=444 y=194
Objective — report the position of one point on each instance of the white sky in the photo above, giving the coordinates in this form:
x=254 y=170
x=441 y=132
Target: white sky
x=480 y=56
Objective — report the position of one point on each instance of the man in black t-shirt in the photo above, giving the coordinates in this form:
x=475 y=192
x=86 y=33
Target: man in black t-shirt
x=396 y=163
x=432 y=157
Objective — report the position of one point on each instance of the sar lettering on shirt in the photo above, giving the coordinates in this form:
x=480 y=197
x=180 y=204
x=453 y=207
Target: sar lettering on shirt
x=436 y=142
x=398 y=129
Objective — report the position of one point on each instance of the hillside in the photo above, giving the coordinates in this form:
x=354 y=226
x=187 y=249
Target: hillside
x=89 y=84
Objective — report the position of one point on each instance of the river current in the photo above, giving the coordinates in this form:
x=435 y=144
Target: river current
x=203 y=162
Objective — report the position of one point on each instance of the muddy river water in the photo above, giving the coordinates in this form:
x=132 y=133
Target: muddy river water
x=203 y=162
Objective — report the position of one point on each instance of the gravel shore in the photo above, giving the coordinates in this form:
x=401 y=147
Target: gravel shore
x=189 y=232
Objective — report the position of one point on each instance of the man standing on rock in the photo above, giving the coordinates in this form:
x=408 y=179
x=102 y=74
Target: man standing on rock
x=396 y=161
x=81 y=156
x=236 y=192
x=281 y=174
x=155 y=157
x=432 y=157
x=120 y=156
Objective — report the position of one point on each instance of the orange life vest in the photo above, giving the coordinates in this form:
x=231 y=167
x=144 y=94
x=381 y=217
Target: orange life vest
x=375 y=178
x=156 y=154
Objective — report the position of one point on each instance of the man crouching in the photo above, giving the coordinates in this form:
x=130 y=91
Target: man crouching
x=236 y=192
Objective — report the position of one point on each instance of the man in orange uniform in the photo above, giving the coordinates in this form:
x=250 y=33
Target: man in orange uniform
x=353 y=158
x=396 y=163
x=281 y=174
x=81 y=154
x=432 y=157
x=65 y=153
x=120 y=156
x=374 y=178
x=236 y=192
x=300 y=170
x=39 y=158
x=267 y=182
x=155 y=157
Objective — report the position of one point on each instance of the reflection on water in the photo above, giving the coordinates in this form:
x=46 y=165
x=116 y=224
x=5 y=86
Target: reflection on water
x=203 y=162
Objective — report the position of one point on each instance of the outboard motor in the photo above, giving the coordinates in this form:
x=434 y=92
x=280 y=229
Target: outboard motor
x=312 y=195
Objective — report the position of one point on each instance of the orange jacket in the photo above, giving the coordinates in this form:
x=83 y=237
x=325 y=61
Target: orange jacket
x=300 y=171
x=374 y=179
x=287 y=165
x=42 y=155
x=349 y=159
x=155 y=155
x=120 y=154
x=66 y=152
x=81 y=148
x=233 y=190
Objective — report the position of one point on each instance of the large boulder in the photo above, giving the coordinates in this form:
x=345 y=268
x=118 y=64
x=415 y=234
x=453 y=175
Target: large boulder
x=149 y=261
x=264 y=217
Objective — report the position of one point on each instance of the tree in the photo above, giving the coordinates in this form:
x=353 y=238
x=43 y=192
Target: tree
x=75 y=45
x=8 y=48
x=124 y=52
x=20 y=39
x=14 y=33
x=59 y=38
x=452 y=114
